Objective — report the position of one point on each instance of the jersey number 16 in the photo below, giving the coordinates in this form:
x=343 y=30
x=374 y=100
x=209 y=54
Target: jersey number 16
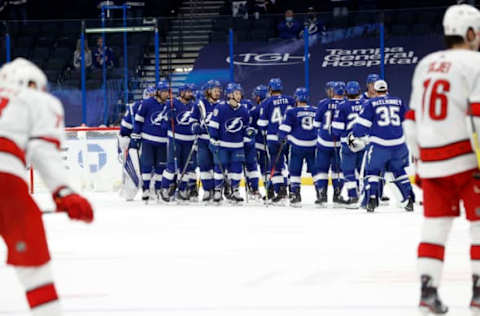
x=438 y=102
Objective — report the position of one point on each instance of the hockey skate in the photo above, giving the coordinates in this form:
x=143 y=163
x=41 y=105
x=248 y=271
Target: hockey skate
x=372 y=204
x=430 y=302
x=280 y=198
x=227 y=191
x=338 y=200
x=351 y=203
x=164 y=195
x=409 y=206
x=296 y=199
x=384 y=200
x=322 y=197
x=183 y=196
x=255 y=196
x=207 y=196
x=235 y=198
x=217 y=196
x=475 y=303
x=270 y=194
x=193 y=193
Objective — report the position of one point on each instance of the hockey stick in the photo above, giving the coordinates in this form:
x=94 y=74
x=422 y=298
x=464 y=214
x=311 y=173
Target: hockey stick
x=272 y=170
x=187 y=162
x=476 y=145
x=246 y=182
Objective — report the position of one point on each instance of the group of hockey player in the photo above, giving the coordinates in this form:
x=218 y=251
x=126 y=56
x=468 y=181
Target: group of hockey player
x=350 y=137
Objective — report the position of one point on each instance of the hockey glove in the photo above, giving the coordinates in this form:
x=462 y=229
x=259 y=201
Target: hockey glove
x=196 y=129
x=76 y=206
x=356 y=144
x=135 y=141
x=250 y=132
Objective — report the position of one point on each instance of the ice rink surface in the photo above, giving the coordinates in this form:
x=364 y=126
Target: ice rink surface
x=156 y=259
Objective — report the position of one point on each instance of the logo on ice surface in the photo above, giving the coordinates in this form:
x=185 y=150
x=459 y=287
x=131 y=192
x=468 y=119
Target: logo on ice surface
x=97 y=158
x=234 y=125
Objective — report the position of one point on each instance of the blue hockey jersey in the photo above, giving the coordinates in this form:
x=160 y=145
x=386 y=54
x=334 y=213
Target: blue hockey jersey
x=345 y=118
x=202 y=113
x=323 y=122
x=149 y=121
x=254 y=115
x=382 y=119
x=126 y=125
x=272 y=113
x=228 y=125
x=298 y=127
x=182 y=125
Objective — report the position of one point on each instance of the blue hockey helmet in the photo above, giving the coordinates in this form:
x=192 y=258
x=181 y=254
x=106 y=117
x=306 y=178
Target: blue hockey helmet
x=238 y=87
x=162 y=85
x=214 y=84
x=148 y=92
x=275 y=84
x=339 y=88
x=329 y=85
x=229 y=88
x=301 y=94
x=185 y=87
x=192 y=86
x=260 y=91
x=371 y=78
x=353 y=88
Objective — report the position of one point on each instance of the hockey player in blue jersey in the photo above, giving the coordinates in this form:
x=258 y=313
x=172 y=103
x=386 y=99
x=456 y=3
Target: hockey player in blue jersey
x=370 y=93
x=258 y=96
x=343 y=122
x=251 y=165
x=328 y=158
x=381 y=120
x=200 y=117
x=298 y=129
x=228 y=129
x=272 y=113
x=180 y=142
x=148 y=130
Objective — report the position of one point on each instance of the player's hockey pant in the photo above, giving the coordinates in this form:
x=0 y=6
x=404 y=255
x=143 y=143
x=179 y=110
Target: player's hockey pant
x=278 y=179
x=393 y=159
x=182 y=149
x=21 y=227
x=262 y=159
x=231 y=160
x=297 y=156
x=251 y=166
x=327 y=159
x=153 y=159
x=351 y=162
x=206 y=164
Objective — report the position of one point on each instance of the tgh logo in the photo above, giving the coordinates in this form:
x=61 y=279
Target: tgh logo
x=97 y=158
x=266 y=59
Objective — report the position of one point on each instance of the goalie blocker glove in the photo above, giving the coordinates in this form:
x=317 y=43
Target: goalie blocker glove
x=76 y=206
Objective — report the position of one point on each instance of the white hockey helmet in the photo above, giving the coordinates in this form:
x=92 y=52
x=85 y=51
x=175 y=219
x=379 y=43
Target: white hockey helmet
x=380 y=86
x=459 y=18
x=21 y=72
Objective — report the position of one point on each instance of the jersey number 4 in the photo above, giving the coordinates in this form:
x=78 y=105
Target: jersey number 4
x=3 y=104
x=438 y=102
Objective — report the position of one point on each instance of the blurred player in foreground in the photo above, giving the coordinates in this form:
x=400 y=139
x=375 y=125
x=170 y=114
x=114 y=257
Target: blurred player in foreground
x=444 y=104
x=32 y=129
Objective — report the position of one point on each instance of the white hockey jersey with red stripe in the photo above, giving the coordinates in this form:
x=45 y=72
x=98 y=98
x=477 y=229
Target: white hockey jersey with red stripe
x=32 y=130
x=445 y=87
